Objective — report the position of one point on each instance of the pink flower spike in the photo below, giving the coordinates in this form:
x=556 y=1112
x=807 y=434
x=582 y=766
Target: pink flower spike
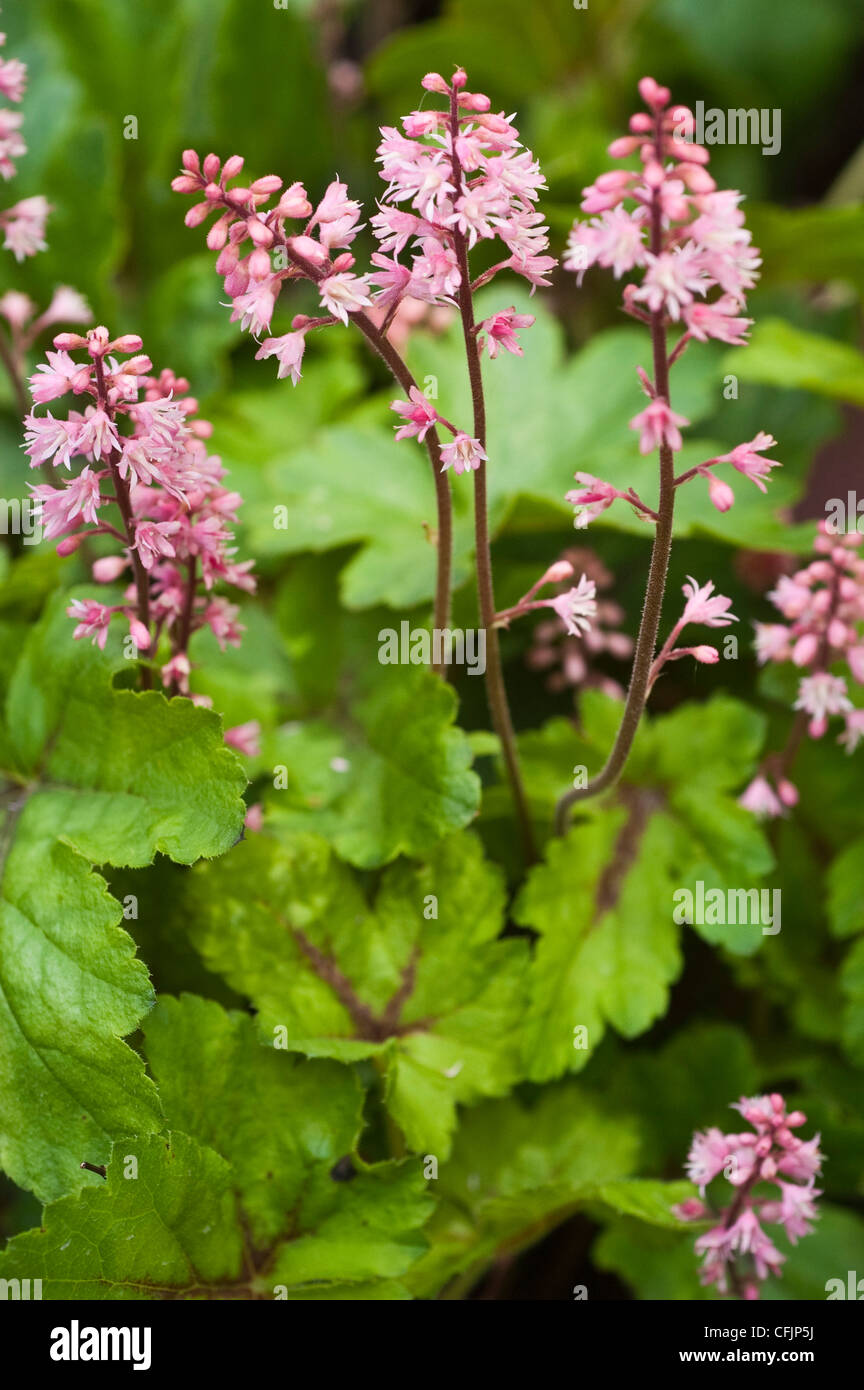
x=462 y=454
x=659 y=425
x=419 y=415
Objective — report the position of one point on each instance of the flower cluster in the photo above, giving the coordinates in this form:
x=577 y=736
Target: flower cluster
x=737 y=1252
x=569 y=657
x=142 y=451
x=454 y=177
x=668 y=222
x=823 y=610
x=23 y=224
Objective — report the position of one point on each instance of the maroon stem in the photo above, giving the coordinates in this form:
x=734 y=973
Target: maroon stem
x=647 y=639
x=495 y=687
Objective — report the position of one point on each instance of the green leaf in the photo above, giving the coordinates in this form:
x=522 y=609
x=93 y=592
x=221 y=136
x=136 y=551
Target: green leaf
x=283 y=1123
x=780 y=354
x=278 y=1120
x=171 y=1228
x=94 y=775
x=809 y=245
x=373 y=782
x=646 y=1199
x=846 y=890
x=603 y=901
x=417 y=982
x=516 y=1171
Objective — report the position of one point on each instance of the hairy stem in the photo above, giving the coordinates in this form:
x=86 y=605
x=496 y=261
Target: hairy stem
x=495 y=687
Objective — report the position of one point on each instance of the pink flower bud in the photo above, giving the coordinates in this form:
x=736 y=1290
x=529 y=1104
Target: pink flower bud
x=258 y=264
x=196 y=215
x=796 y=1119
x=640 y=123
x=653 y=94
x=788 y=794
x=474 y=101
x=109 y=568
x=624 y=146
x=260 y=234
x=127 y=342
x=562 y=569
x=232 y=167
x=185 y=183
x=191 y=161
x=460 y=77
x=69 y=545
x=69 y=341
x=270 y=183
x=138 y=366
x=720 y=493
x=139 y=634
x=697 y=179
x=805 y=649
x=709 y=656
x=211 y=168
x=434 y=82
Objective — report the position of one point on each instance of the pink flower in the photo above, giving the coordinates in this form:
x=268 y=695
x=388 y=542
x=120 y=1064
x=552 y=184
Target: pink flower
x=701 y=607
x=57 y=376
x=761 y=800
x=591 y=499
x=97 y=435
x=46 y=439
x=659 y=425
x=772 y=642
x=289 y=351
x=92 y=619
x=717 y=320
x=254 y=307
x=501 y=330
x=343 y=294
x=419 y=415
x=24 y=226
x=462 y=453
x=577 y=608
x=708 y=1154
x=61 y=509
x=245 y=738
x=745 y=457
x=821 y=695
x=671 y=280
x=152 y=541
